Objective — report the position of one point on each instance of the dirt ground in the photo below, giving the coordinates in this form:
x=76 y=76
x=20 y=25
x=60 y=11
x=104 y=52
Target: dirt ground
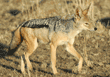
x=96 y=44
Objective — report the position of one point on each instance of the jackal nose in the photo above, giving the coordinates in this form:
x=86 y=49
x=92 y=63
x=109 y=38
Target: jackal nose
x=95 y=28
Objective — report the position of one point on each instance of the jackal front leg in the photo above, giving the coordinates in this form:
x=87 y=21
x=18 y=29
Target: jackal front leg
x=53 y=58
x=71 y=50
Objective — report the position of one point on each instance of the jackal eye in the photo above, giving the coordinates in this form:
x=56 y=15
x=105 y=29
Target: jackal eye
x=87 y=23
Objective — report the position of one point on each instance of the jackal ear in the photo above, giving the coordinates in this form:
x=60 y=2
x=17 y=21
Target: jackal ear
x=85 y=12
x=78 y=12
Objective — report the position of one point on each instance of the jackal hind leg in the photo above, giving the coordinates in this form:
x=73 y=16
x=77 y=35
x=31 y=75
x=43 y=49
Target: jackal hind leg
x=31 y=42
x=22 y=66
x=31 y=46
x=53 y=57
x=72 y=51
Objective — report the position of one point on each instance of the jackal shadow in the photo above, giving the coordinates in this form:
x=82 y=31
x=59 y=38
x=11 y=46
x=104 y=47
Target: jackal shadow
x=3 y=54
x=3 y=50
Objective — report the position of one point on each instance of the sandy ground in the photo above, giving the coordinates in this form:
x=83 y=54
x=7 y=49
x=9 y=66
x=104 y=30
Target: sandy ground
x=96 y=44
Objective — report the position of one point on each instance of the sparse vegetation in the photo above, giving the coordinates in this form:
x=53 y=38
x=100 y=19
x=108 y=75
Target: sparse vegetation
x=96 y=44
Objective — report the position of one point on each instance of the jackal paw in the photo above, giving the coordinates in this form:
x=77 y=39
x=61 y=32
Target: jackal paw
x=30 y=69
x=56 y=73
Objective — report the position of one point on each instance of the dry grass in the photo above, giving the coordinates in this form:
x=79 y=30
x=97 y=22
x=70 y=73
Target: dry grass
x=38 y=12
x=97 y=45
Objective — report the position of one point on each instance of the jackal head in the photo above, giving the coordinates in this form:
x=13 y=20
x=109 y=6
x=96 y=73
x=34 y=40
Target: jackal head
x=83 y=21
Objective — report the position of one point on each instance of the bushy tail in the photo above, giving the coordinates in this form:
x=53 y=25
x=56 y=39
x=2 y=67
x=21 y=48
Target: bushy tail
x=15 y=41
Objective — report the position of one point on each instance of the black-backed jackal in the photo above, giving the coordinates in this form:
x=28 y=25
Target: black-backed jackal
x=52 y=30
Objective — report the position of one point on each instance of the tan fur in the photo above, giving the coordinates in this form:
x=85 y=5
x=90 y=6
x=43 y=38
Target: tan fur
x=31 y=35
x=59 y=38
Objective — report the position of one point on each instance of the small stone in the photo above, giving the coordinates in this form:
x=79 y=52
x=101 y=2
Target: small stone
x=44 y=65
x=93 y=40
x=101 y=64
x=102 y=39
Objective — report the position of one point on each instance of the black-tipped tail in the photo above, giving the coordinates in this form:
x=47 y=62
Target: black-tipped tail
x=15 y=42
